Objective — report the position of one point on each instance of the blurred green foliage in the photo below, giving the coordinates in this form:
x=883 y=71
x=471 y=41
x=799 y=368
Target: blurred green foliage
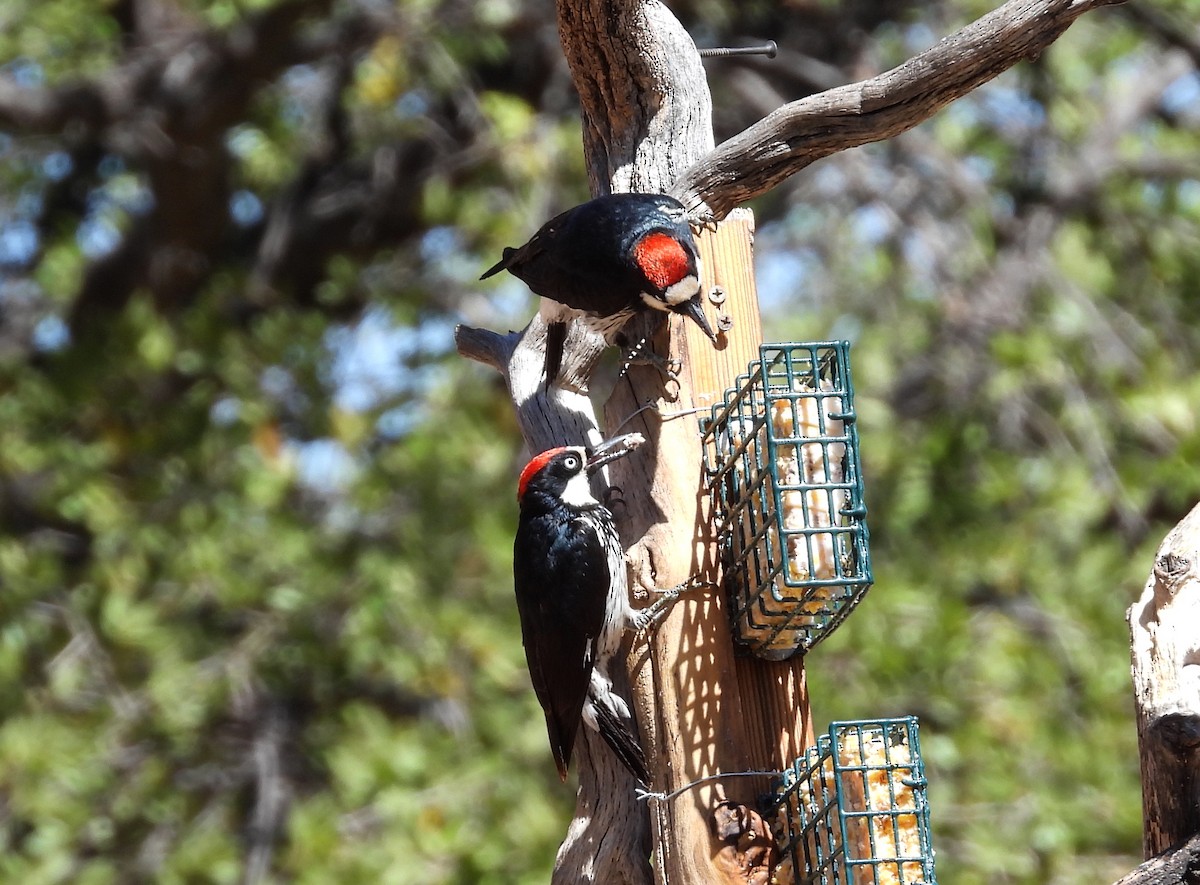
x=256 y=620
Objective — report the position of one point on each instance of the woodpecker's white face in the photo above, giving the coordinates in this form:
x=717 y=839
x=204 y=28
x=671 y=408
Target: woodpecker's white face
x=578 y=490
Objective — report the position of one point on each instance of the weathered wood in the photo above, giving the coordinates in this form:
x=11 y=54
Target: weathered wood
x=1165 y=630
x=647 y=112
x=705 y=710
x=609 y=839
x=802 y=132
x=749 y=853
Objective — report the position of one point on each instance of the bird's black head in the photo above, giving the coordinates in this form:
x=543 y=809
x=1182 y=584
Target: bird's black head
x=664 y=253
x=559 y=473
x=658 y=244
x=564 y=474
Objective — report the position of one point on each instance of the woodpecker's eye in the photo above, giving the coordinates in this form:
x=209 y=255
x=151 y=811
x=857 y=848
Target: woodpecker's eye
x=571 y=462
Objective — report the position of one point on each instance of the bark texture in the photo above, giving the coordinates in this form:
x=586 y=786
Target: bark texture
x=647 y=112
x=1165 y=629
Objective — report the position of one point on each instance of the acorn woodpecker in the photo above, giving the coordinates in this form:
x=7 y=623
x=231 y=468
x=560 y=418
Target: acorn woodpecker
x=606 y=260
x=573 y=599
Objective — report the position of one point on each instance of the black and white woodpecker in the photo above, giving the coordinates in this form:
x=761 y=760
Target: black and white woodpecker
x=605 y=260
x=573 y=599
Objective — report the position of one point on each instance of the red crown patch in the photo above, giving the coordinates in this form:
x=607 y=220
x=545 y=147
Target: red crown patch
x=535 y=464
x=662 y=259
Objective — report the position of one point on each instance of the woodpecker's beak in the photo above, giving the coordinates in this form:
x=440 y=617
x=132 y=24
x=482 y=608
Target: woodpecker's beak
x=692 y=309
x=612 y=449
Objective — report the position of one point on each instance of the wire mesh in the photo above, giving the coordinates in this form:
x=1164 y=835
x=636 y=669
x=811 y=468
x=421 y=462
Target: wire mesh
x=854 y=811
x=783 y=467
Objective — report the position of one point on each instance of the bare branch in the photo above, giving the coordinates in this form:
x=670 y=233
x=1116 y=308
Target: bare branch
x=561 y=415
x=797 y=134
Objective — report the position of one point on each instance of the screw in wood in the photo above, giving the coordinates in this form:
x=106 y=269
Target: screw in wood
x=769 y=49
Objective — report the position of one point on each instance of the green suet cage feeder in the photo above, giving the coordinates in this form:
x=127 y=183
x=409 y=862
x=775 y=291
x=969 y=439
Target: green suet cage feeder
x=854 y=811
x=783 y=467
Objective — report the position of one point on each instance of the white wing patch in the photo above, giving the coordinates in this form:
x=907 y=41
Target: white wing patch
x=617 y=609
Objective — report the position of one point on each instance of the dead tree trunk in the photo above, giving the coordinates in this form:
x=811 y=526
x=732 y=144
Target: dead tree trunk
x=1165 y=628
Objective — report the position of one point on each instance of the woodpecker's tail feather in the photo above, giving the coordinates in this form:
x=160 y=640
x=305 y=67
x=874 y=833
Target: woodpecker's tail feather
x=556 y=340
x=508 y=253
x=620 y=736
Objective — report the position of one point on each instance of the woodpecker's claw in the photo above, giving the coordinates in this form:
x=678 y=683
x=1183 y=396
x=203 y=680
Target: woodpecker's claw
x=641 y=353
x=702 y=218
x=649 y=617
x=614 y=496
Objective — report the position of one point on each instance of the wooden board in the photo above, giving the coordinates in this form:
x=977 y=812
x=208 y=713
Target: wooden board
x=705 y=710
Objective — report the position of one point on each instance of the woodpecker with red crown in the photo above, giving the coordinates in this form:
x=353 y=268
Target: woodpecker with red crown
x=573 y=599
x=606 y=260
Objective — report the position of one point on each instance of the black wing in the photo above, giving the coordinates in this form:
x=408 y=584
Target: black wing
x=519 y=260
x=576 y=260
x=620 y=733
x=561 y=583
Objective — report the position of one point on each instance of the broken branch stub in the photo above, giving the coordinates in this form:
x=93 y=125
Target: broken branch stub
x=1165 y=636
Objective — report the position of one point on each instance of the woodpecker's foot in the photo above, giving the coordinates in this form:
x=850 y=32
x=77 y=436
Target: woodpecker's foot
x=641 y=353
x=614 y=498
x=702 y=218
x=649 y=617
